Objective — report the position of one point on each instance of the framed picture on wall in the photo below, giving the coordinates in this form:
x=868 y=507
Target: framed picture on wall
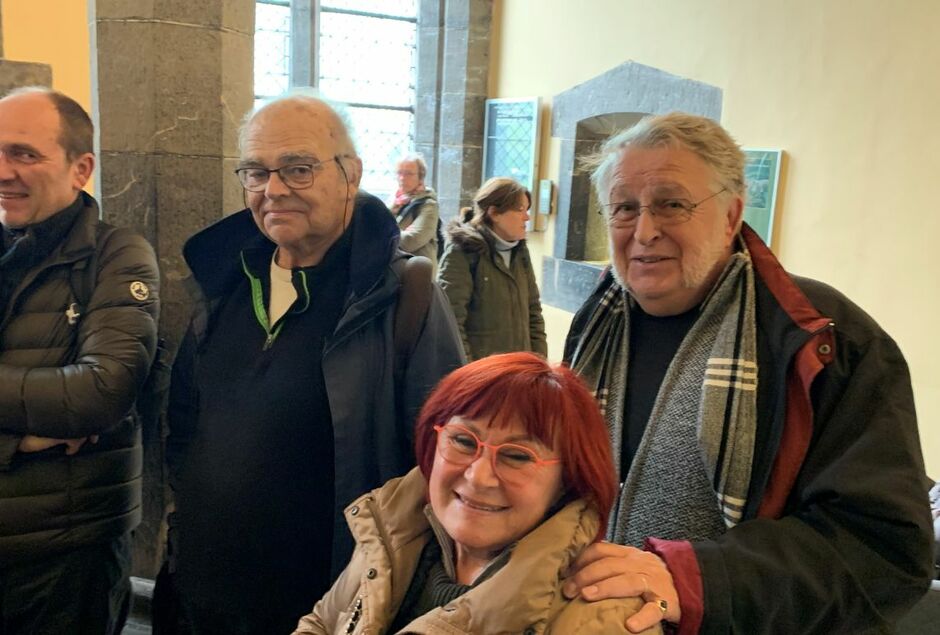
x=762 y=175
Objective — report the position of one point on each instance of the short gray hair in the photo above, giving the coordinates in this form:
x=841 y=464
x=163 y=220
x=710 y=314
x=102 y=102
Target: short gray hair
x=418 y=159
x=700 y=135
x=306 y=97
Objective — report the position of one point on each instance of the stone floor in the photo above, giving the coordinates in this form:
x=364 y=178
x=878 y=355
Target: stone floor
x=138 y=622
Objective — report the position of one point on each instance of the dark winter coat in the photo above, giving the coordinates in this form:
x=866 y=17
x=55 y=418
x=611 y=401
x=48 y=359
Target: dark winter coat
x=497 y=307
x=372 y=416
x=836 y=531
x=63 y=376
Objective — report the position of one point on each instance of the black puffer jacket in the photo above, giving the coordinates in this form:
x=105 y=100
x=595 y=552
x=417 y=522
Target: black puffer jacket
x=72 y=380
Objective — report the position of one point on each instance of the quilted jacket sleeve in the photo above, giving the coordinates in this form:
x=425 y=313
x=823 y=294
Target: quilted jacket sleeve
x=116 y=343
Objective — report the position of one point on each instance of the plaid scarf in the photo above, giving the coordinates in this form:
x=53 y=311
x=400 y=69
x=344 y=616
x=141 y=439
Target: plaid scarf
x=699 y=441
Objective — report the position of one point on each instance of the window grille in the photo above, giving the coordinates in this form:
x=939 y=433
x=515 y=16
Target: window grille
x=366 y=57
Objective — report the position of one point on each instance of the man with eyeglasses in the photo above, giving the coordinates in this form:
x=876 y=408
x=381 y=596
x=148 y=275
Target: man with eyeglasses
x=770 y=465
x=78 y=333
x=286 y=402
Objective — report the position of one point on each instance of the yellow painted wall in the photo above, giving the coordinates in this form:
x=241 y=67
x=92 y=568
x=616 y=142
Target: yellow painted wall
x=848 y=88
x=53 y=32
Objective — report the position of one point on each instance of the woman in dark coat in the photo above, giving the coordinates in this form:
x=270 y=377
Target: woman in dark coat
x=488 y=276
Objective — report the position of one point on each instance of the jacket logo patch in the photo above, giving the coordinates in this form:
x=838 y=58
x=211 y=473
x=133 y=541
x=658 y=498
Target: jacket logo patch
x=73 y=313
x=139 y=290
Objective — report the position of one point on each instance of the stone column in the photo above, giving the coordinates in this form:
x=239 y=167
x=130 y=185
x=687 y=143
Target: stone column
x=171 y=82
x=453 y=67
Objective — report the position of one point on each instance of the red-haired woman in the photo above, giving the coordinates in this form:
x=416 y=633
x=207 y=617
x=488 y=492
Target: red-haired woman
x=514 y=478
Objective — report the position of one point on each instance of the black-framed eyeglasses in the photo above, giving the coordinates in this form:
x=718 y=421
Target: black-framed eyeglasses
x=296 y=176
x=669 y=211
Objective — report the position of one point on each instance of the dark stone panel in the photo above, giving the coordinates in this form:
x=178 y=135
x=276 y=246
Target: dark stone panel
x=233 y=196
x=462 y=118
x=456 y=62
x=566 y=237
x=188 y=117
x=426 y=118
x=238 y=88
x=125 y=96
x=17 y=74
x=205 y=14
x=123 y=9
x=189 y=196
x=126 y=183
x=566 y=284
x=239 y=15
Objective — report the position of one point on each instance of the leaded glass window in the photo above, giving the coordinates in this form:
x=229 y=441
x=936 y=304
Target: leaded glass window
x=366 y=57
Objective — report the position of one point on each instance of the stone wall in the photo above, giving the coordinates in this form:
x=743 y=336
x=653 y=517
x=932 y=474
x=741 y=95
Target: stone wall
x=171 y=81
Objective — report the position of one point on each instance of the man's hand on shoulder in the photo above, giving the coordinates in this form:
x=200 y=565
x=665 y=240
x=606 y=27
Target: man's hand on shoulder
x=32 y=443
x=605 y=570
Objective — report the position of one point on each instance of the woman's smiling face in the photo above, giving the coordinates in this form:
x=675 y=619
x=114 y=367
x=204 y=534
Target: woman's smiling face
x=482 y=512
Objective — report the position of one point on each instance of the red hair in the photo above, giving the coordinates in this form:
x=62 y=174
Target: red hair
x=550 y=402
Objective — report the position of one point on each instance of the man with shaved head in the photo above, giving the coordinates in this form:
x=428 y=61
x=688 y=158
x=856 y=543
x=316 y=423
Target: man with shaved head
x=286 y=403
x=78 y=331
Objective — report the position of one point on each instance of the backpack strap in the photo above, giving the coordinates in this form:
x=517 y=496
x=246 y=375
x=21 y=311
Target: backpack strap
x=411 y=312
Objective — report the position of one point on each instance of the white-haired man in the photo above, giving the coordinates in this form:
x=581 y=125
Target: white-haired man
x=771 y=467
x=287 y=401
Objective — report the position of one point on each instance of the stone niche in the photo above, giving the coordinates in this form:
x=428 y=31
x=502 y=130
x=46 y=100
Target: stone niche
x=582 y=118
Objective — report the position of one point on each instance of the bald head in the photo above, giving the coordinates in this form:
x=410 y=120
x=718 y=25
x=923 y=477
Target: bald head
x=38 y=175
x=304 y=107
x=302 y=216
x=76 y=132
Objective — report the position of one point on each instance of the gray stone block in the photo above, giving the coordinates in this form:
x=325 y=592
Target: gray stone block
x=122 y=9
x=187 y=84
x=428 y=60
x=431 y=13
x=127 y=191
x=239 y=15
x=189 y=197
x=17 y=74
x=427 y=119
x=126 y=92
x=454 y=72
x=237 y=97
x=232 y=192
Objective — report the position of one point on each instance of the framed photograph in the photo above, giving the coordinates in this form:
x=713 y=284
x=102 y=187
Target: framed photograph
x=762 y=175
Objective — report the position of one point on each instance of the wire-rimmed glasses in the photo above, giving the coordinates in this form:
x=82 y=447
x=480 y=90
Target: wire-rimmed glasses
x=668 y=211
